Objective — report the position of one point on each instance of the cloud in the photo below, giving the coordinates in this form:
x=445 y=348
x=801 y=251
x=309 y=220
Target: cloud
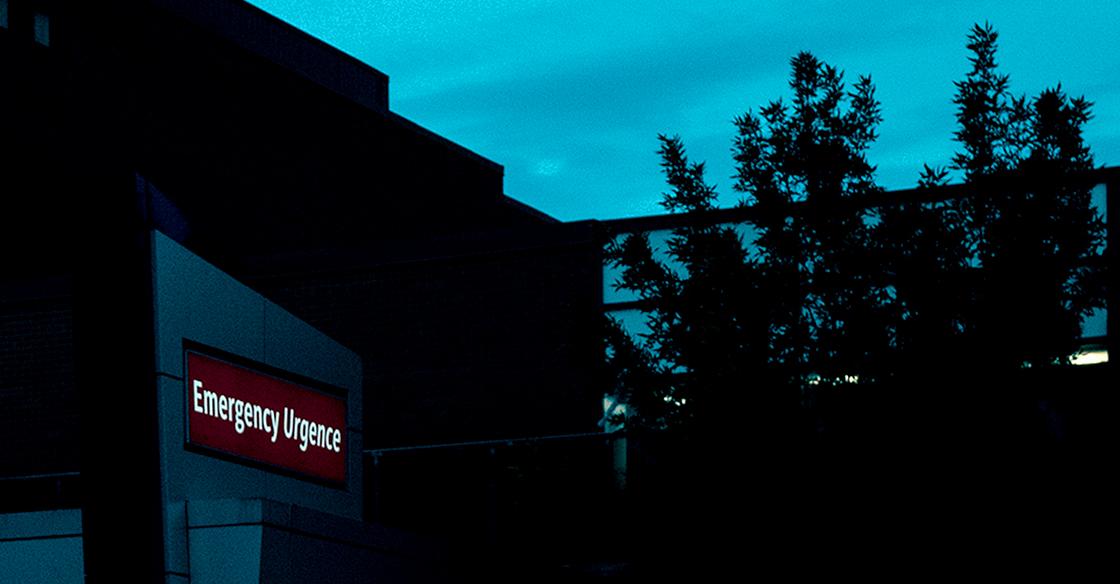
x=549 y=167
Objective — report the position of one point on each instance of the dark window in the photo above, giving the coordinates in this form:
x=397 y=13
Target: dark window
x=42 y=29
x=3 y=13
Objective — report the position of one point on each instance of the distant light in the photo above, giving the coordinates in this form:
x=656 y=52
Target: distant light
x=1090 y=357
x=816 y=379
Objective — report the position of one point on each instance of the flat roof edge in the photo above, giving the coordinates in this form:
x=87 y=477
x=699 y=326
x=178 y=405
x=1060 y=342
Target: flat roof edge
x=269 y=37
x=446 y=142
x=737 y=214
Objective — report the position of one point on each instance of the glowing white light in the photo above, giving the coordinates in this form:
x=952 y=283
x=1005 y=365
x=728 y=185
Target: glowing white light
x=1090 y=357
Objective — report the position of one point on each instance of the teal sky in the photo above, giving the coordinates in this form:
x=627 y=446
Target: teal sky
x=570 y=95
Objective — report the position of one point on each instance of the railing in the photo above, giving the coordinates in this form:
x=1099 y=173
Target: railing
x=1102 y=184
x=35 y=492
x=540 y=495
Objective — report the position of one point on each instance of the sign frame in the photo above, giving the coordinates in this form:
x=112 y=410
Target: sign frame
x=301 y=381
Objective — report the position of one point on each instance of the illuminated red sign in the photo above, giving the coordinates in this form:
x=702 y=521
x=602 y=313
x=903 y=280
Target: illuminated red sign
x=253 y=415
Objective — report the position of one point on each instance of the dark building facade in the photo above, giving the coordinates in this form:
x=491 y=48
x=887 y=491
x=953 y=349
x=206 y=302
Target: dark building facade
x=277 y=158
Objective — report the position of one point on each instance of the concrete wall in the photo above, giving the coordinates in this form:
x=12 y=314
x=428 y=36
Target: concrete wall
x=258 y=540
x=196 y=302
x=236 y=541
x=43 y=547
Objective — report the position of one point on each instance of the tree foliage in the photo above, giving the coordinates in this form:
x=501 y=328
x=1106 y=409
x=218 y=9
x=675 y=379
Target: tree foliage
x=805 y=167
x=705 y=336
x=830 y=291
x=729 y=326
x=1031 y=228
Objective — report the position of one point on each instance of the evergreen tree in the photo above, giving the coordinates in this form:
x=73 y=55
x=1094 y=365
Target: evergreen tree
x=1032 y=230
x=832 y=292
x=732 y=331
x=706 y=337
x=927 y=262
x=985 y=111
x=804 y=167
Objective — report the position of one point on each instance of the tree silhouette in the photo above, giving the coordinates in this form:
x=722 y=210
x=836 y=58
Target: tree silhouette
x=706 y=336
x=832 y=292
x=1031 y=227
x=817 y=259
x=802 y=311
x=907 y=330
x=926 y=258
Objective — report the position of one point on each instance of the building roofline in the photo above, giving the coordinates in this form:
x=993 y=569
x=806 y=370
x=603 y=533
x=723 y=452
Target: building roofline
x=738 y=214
x=269 y=37
x=529 y=210
x=281 y=43
x=446 y=142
